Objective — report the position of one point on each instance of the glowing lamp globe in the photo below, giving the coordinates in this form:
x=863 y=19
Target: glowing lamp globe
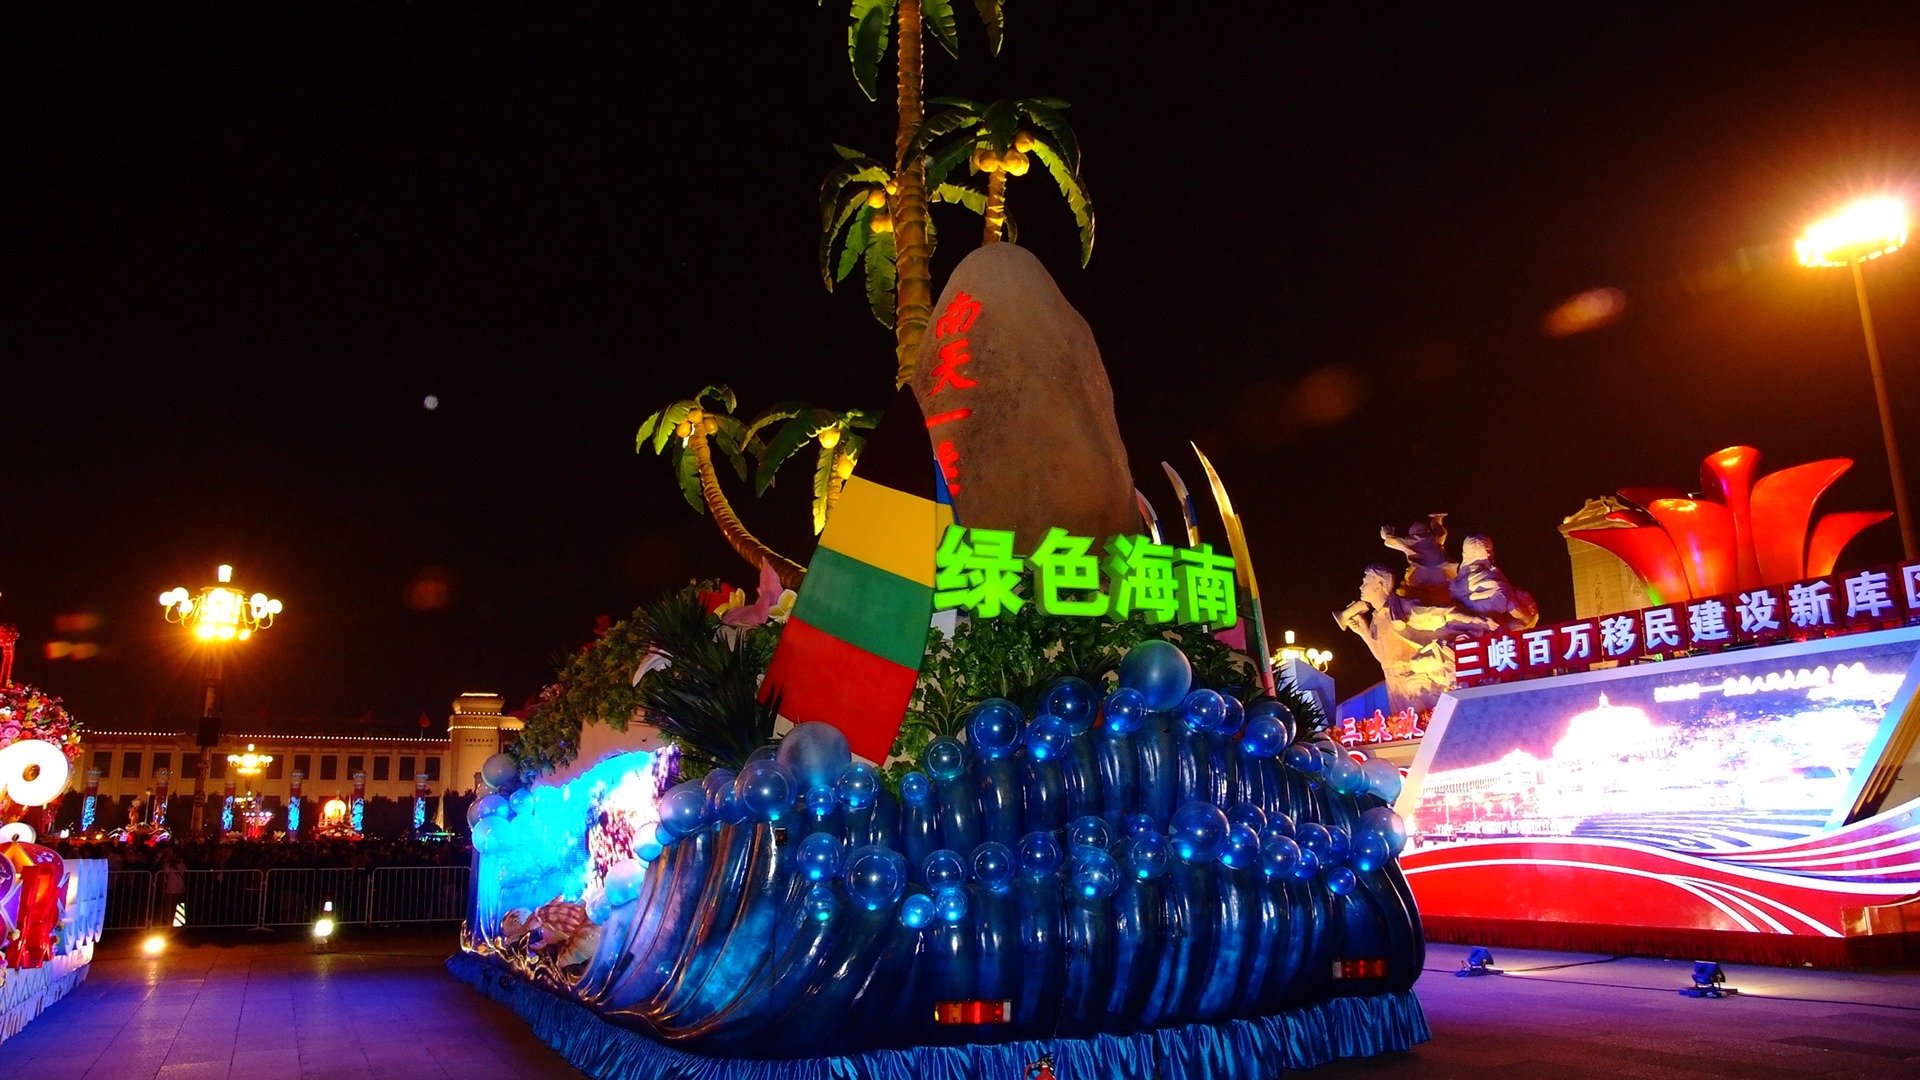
x=1864 y=230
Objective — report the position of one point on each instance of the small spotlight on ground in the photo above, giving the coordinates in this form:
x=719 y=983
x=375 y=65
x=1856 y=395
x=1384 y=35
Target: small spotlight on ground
x=1708 y=981
x=323 y=929
x=154 y=945
x=1479 y=962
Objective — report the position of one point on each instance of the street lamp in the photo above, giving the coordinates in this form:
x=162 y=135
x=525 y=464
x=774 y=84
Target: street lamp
x=1867 y=230
x=217 y=616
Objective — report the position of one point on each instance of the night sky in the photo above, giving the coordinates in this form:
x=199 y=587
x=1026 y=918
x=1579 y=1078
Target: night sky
x=243 y=243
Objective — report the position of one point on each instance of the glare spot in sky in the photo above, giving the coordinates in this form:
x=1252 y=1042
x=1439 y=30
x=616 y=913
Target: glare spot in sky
x=432 y=402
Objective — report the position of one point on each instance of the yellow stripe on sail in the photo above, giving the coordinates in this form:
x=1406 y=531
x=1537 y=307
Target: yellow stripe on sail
x=869 y=524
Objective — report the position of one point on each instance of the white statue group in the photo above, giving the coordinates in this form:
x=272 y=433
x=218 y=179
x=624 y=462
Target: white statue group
x=1409 y=620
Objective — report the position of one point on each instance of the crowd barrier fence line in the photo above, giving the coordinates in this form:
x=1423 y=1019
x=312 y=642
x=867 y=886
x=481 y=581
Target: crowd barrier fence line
x=256 y=899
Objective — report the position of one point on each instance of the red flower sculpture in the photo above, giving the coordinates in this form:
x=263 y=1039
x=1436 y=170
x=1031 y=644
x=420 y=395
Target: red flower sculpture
x=1743 y=534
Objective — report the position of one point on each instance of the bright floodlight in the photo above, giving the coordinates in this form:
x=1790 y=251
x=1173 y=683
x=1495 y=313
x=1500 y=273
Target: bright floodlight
x=154 y=945
x=1865 y=230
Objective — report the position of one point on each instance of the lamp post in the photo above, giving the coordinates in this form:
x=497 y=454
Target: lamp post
x=249 y=765
x=218 y=616
x=1867 y=230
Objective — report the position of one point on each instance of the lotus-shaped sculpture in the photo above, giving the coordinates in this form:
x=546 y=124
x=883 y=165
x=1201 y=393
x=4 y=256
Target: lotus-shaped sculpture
x=1741 y=534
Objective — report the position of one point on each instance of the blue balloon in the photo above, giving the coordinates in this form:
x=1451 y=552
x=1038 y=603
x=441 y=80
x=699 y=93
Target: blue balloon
x=1273 y=710
x=945 y=758
x=1147 y=855
x=1039 y=854
x=1203 y=710
x=1339 y=844
x=950 y=903
x=858 y=785
x=647 y=850
x=943 y=869
x=915 y=788
x=1383 y=778
x=765 y=789
x=486 y=833
x=1279 y=822
x=1264 y=737
x=1095 y=874
x=1382 y=820
x=1314 y=837
x=769 y=752
x=1308 y=865
x=623 y=882
x=1341 y=881
x=489 y=806
x=1138 y=824
x=820 y=902
x=521 y=801
x=1279 y=856
x=684 y=807
x=500 y=772
x=917 y=911
x=993 y=866
x=993 y=728
x=719 y=787
x=1160 y=671
x=1072 y=699
x=1248 y=814
x=1124 y=711
x=820 y=801
x=1303 y=758
x=1198 y=832
x=1344 y=775
x=1236 y=715
x=875 y=876
x=1047 y=738
x=1243 y=847
x=814 y=752
x=1371 y=851
x=818 y=856
x=1088 y=832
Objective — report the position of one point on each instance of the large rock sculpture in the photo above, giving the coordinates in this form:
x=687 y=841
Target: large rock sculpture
x=1410 y=620
x=1018 y=405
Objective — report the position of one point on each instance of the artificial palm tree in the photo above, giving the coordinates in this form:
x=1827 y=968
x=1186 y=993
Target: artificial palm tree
x=801 y=424
x=689 y=431
x=997 y=140
x=855 y=218
x=866 y=45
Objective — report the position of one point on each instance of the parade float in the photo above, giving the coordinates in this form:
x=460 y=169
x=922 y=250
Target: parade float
x=51 y=909
x=1001 y=783
x=1718 y=773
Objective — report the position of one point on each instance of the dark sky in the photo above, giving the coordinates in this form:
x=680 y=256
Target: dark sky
x=242 y=243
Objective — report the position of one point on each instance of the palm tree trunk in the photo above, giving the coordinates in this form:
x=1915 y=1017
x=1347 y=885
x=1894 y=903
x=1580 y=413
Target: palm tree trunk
x=996 y=209
x=913 y=286
x=744 y=543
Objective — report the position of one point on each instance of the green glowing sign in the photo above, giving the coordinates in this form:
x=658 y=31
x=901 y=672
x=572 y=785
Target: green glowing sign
x=977 y=571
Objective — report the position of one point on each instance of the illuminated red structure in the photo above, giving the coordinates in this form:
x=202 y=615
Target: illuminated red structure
x=1743 y=534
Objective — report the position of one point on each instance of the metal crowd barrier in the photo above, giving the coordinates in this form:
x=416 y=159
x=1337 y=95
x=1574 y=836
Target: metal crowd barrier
x=191 y=899
x=418 y=894
x=129 y=899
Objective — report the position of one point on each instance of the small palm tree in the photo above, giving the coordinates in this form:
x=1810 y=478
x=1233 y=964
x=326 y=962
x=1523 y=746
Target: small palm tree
x=801 y=423
x=997 y=139
x=855 y=218
x=872 y=23
x=689 y=431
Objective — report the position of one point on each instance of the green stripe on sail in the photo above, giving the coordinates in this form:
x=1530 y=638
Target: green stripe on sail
x=866 y=607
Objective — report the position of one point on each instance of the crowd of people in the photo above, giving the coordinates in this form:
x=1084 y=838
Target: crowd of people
x=183 y=854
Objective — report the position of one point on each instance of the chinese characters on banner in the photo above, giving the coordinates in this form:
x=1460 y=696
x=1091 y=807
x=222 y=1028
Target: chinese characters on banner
x=949 y=333
x=976 y=570
x=1838 y=603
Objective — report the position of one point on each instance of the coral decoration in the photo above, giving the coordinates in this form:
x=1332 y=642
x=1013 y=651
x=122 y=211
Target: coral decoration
x=1743 y=532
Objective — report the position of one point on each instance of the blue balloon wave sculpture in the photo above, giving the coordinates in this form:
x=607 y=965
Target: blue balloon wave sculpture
x=1146 y=860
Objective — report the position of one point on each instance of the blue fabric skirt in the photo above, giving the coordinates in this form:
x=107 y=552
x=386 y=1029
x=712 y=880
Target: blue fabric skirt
x=1260 y=1048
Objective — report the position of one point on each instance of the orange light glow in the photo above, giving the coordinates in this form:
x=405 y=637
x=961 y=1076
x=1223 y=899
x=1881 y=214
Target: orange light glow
x=1864 y=230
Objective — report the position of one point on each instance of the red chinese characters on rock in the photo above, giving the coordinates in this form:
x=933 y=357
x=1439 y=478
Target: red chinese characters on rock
x=953 y=323
x=1871 y=599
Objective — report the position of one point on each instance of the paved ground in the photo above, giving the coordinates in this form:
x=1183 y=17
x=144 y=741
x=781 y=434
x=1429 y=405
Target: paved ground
x=260 y=1006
